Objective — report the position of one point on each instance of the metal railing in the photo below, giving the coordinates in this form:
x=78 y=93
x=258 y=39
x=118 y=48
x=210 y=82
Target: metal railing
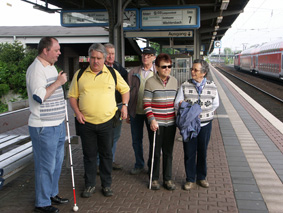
x=181 y=74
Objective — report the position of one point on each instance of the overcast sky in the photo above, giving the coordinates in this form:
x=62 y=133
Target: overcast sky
x=262 y=21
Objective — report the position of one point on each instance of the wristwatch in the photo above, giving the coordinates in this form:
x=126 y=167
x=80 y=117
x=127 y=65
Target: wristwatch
x=125 y=104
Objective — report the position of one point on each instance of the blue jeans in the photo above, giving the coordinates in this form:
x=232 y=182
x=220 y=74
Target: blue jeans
x=137 y=124
x=195 y=152
x=116 y=136
x=48 y=152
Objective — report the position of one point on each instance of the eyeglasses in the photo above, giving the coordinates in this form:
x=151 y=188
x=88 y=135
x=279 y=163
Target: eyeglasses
x=193 y=69
x=164 y=67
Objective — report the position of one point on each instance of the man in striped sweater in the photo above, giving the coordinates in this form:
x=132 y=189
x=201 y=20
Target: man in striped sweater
x=159 y=95
x=46 y=123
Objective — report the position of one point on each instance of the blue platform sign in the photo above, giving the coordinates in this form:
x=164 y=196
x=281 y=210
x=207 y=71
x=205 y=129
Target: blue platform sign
x=181 y=17
x=217 y=44
x=98 y=18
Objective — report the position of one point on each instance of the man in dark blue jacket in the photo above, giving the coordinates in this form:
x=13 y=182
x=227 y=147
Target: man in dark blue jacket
x=110 y=61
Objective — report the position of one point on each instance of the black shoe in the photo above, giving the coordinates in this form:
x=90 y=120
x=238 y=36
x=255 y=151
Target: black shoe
x=59 y=200
x=169 y=185
x=107 y=191
x=116 y=166
x=48 y=209
x=88 y=191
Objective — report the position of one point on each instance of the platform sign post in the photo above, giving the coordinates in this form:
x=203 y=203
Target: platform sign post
x=217 y=44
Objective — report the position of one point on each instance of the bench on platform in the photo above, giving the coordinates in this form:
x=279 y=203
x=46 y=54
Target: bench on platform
x=16 y=155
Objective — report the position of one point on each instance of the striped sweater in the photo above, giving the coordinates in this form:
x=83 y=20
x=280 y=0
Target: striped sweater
x=49 y=112
x=159 y=100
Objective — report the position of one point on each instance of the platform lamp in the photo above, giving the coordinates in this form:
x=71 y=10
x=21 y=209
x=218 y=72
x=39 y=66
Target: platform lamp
x=224 y=4
x=44 y=9
x=216 y=28
x=219 y=19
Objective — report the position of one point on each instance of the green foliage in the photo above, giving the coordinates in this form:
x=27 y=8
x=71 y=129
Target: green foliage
x=14 y=61
x=155 y=46
x=11 y=53
x=3 y=107
x=132 y=58
x=228 y=51
x=4 y=89
x=170 y=51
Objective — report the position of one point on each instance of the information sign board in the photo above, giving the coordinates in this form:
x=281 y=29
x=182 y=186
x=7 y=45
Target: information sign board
x=90 y=18
x=84 y=18
x=170 y=17
x=160 y=34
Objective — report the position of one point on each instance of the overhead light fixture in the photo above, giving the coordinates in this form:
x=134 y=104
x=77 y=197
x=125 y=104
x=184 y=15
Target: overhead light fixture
x=219 y=19
x=214 y=33
x=44 y=9
x=224 y=4
x=216 y=28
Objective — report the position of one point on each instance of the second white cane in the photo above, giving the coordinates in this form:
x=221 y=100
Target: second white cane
x=152 y=159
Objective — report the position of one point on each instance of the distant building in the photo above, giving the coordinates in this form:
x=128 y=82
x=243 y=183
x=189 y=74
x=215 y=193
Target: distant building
x=74 y=42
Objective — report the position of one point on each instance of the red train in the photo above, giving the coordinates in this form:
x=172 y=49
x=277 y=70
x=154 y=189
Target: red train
x=266 y=59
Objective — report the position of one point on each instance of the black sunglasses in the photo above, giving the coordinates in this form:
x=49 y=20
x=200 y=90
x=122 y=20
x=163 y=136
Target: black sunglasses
x=164 y=67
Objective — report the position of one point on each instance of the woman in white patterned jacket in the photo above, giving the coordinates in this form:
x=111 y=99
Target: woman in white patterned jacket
x=198 y=90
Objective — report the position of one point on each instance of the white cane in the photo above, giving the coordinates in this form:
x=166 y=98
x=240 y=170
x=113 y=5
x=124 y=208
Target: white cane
x=152 y=159
x=75 y=207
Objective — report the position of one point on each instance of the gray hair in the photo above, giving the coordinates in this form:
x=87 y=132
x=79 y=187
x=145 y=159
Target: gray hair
x=97 y=47
x=204 y=65
x=109 y=45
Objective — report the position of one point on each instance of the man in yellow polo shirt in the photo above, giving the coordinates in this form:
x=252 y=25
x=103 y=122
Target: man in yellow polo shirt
x=92 y=98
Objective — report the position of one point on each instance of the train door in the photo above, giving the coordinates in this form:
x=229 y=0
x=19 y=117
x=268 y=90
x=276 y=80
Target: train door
x=255 y=64
x=251 y=64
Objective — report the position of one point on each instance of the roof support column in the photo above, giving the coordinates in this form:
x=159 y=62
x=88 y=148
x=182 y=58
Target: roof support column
x=196 y=44
x=115 y=10
x=118 y=34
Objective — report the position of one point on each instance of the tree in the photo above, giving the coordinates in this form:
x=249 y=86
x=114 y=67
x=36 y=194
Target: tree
x=14 y=61
x=228 y=51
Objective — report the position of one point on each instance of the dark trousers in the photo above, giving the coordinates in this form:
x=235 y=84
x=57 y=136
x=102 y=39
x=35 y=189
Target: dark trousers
x=164 y=142
x=97 y=138
x=195 y=152
x=137 y=124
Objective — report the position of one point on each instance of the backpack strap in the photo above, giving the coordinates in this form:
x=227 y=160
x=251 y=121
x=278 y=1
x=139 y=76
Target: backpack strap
x=113 y=74
x=112 y=71
x=80 y=74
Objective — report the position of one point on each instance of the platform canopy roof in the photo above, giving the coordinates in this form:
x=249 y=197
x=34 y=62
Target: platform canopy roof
x=211 y=26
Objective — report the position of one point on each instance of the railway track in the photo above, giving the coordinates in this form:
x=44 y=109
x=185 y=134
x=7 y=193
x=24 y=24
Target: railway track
x=268 y=93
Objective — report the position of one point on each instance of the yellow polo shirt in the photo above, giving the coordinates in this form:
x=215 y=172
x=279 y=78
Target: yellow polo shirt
x=96 y=94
